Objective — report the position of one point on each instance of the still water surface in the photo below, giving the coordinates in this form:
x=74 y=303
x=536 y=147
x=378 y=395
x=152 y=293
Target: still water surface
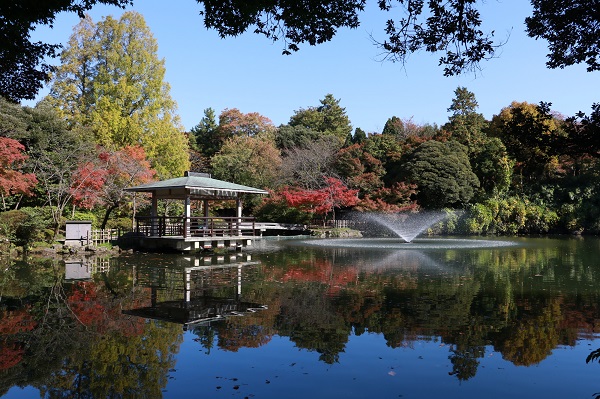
x=289 y=319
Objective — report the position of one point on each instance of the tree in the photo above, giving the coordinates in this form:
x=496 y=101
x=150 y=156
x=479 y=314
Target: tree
x=54 y=152
x=112 y=81
x=393 y=127
x=210 y=137
x=571 y=29
x=583 y=134
x=492 y=166
x=323 y=201
x=251 y=161
x=205 y=134
x=233 y=122
x=12 y=180
x=442 y=173
x=404 y=129
x=465 y=123
x=359 y=168
x=23 y=65
x=104 y=181
x=452 y=28
x=328 y=118
x=359 y=136
x=397 y=198
x=362 y=171
x=530 y=133
x=288 y=137
x=307 y=166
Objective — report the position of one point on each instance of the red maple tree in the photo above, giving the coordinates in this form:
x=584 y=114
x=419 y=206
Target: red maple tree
x=323 y=201
x=12 y=180
x=103 y=181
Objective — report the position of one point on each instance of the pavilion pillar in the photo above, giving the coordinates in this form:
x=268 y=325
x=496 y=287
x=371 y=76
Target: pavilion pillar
x=205 y=210
x=205 y=207
x=154 y=215
x=238 y=213
x=187 y=213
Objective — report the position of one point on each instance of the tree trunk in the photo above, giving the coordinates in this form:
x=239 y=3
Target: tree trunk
x=106 y=215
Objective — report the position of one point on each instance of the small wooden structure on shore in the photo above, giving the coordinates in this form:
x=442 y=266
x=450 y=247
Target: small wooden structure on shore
x=188 y=233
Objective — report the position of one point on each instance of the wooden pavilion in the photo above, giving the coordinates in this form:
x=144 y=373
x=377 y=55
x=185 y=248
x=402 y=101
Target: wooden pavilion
x=188 y=233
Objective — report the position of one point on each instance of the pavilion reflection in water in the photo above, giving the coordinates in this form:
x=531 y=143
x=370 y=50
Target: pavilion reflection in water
x=200 y=291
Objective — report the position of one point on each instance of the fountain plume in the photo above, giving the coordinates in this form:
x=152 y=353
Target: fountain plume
x=406 y=225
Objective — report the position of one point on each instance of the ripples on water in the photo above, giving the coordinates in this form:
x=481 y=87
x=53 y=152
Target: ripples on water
x=398 y=244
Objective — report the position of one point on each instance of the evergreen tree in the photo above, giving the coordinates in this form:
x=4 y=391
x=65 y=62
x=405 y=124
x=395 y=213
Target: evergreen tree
x=359 y=136
x=443 y=174
x=204 y=134
x=328 y=118
x=465 y=123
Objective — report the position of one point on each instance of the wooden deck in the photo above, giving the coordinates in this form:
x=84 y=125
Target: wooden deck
x=192 y=234
x=167 y=234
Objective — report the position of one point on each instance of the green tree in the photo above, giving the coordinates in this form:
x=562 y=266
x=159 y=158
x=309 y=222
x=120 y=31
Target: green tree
x=329 y=118
x=112 y=80
x=205 y=134
x=251 y=161
x=288 y=137
x=488 y=156
x=465 y=123
x=74 y=79
x=492 y=165
x=443 y=174
x=23 y=64
x=54 y=155
x=359 y=136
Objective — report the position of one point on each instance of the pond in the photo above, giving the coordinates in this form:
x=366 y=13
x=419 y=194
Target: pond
x=298 y=319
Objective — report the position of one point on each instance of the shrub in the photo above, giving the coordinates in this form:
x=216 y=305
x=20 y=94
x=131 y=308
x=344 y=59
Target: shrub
x=27 y=225
x=479 y=219
x=86 y=215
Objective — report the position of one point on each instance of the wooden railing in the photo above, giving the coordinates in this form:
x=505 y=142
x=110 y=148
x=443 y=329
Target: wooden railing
x=103 y=236
x=166 y=226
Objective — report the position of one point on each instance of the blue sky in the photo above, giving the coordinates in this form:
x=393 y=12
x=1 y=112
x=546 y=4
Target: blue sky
x=249 y=73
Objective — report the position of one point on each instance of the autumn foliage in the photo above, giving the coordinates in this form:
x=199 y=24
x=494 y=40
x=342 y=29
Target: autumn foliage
x=101 y=182
x=12 y=157
x=322 y=201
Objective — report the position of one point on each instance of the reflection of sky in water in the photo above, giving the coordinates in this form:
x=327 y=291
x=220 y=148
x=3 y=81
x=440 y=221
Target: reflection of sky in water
x=366 y=369
x=369 y=368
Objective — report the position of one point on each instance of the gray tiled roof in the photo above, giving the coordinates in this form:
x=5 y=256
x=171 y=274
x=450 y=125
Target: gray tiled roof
x=196 y=181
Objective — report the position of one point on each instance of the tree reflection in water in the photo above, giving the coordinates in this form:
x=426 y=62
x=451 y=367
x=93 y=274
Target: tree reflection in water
x=64 y=336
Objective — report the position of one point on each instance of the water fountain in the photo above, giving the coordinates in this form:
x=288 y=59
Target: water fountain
x=405 y=229
x=406 y=225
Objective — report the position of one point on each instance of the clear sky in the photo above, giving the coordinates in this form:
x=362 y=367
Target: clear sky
x=250 y=73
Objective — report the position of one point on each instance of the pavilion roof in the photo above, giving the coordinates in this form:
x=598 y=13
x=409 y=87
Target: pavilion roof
x=196 y=184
